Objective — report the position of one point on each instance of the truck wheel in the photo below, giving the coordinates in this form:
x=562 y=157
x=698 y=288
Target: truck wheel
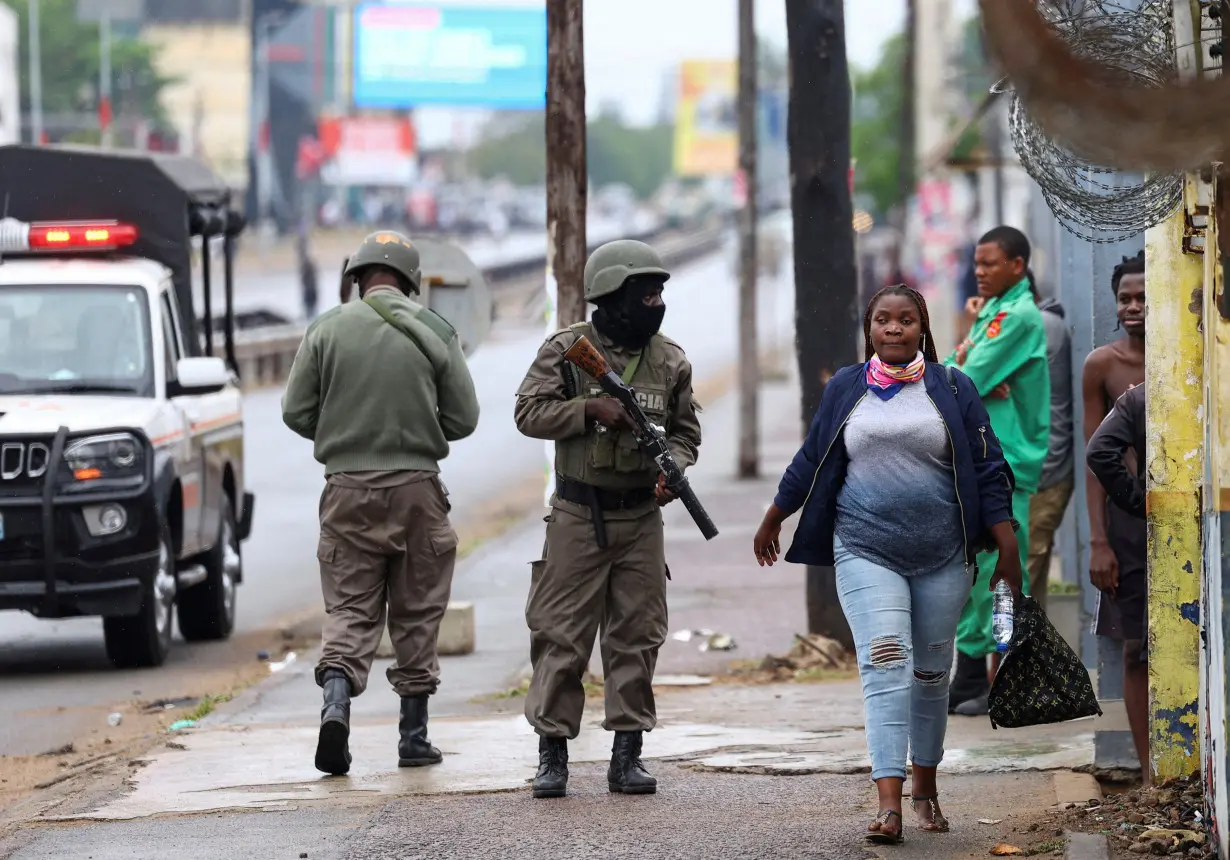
x=207 y=610
x=143 y=640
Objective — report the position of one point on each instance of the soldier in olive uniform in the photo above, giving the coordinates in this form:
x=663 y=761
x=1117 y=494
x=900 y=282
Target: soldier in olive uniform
x=381 y=387
x=604 y=563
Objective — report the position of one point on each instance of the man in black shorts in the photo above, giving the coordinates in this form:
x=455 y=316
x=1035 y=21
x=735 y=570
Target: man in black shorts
x=1122 y=430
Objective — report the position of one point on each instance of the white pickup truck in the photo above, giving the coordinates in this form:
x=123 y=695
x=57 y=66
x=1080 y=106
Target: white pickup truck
x=121 y=445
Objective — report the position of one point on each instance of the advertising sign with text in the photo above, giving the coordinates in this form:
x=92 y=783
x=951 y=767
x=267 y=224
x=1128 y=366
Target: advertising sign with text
x=413 y=54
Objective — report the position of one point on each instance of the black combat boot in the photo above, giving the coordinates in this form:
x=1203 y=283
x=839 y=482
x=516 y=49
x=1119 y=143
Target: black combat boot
x=552 y=777
x=969 y=682
x=627 y=775
x=978 y=707
x=333 y=746
x=414 y=750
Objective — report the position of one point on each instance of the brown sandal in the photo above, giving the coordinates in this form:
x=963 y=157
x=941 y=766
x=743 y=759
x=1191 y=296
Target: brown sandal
x=938 y=823
x=879 y=837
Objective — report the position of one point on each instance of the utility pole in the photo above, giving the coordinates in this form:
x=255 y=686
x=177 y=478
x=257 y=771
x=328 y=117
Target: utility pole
x=36 y=75
x=566 y=166
x=826 y=289
x=749 y=354
x=567 y=179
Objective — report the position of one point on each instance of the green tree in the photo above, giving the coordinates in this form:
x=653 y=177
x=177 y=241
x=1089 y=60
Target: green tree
x=639 y=157
x=875 y=125
x=70 y=63
x=879 y=98
x=516 y=150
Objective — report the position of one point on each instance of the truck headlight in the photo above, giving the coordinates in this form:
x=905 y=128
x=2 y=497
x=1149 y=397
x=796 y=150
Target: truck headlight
x=115 y=456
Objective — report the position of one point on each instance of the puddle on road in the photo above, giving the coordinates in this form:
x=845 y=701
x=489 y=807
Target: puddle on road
x=270 y=767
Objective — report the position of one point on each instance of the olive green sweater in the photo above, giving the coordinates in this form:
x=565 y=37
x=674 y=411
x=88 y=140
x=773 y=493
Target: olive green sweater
x=372 y=399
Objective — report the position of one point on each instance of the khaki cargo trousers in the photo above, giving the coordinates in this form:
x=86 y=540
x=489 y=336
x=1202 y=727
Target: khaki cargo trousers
x=386 y=549
x=579 y=589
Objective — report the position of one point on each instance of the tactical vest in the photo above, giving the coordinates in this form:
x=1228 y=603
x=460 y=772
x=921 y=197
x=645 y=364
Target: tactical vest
x=607 y=458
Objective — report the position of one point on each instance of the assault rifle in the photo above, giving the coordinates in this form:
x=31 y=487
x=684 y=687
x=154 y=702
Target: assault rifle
x=648 y=435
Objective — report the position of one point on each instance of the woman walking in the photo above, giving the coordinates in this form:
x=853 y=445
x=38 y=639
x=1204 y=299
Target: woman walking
x=901 y=483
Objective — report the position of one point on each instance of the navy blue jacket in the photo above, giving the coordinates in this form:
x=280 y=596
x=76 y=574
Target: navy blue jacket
x=985 y=482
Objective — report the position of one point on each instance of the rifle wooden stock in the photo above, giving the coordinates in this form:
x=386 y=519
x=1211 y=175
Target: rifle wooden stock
x=650 y=438
x=585 y=356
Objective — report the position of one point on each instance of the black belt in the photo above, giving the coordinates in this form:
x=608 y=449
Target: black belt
x=607 y=500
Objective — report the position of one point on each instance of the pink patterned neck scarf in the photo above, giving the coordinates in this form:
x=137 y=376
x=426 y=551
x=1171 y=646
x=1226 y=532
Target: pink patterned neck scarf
x=886 y=379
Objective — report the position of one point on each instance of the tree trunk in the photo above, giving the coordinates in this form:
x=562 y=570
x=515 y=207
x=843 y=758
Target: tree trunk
x=749 y=353
x=826 y=290
x=566 y=175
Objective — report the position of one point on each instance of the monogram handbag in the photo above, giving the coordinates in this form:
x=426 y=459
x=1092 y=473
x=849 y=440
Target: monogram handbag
x=1040 y=679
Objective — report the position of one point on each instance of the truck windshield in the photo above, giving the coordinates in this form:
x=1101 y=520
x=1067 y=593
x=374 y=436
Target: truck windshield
x=75 y=338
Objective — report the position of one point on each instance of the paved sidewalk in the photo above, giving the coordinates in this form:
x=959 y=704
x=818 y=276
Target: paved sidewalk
x=745 y=770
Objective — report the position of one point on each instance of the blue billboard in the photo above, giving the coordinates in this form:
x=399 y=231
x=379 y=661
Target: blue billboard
x=409 y=55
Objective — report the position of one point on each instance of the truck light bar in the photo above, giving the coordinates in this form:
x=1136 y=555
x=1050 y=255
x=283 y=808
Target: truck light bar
x=51 y=236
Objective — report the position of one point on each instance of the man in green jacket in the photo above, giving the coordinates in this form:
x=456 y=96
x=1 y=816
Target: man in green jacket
x=381 y=387
x=1005 y=356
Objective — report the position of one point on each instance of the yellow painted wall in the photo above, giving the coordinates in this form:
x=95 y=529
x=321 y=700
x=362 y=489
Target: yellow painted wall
x=1174 y=374
x=212 y=65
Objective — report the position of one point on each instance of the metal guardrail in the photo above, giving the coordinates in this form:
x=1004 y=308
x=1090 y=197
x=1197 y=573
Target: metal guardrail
x=265 y=353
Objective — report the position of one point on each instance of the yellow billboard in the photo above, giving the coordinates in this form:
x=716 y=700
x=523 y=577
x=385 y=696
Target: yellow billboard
x=706 y=118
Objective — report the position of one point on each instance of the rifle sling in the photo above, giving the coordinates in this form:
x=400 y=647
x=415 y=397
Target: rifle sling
x=388 y=316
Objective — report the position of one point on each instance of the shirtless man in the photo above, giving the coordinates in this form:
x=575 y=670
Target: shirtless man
x=1117 y=539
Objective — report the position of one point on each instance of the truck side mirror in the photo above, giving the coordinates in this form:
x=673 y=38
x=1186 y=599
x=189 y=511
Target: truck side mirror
x=203 y=375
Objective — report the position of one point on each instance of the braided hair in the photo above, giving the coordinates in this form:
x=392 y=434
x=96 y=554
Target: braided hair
x=1129 y=266
x=928 y=339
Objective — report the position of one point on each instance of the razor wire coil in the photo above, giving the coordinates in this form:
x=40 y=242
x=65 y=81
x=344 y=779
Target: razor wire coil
x=1096 y=203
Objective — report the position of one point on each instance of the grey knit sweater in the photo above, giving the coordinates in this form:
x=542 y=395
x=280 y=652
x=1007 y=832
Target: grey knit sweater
x=898 y=506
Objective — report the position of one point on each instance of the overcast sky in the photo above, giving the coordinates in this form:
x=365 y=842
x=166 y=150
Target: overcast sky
x=632 y=45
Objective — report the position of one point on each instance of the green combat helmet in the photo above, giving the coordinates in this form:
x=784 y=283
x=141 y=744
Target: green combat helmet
x=391 y=249
x=613 y=263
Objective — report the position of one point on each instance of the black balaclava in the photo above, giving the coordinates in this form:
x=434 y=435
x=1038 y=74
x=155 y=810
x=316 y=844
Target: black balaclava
x=623 y=315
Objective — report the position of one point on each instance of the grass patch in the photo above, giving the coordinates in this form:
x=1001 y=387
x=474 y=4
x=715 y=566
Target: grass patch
x=511 y=693
x=206 y=706
x=1048 y=847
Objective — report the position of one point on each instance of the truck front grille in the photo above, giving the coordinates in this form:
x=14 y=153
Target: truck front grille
x=24 y=461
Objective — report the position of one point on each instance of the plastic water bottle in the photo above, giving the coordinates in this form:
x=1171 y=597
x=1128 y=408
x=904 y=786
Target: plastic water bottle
x=1001 y=616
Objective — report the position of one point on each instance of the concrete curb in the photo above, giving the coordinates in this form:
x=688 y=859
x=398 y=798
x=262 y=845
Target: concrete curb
x=1075 y=789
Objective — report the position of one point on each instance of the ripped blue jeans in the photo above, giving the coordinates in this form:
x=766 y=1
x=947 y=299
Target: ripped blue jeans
x=904 y=629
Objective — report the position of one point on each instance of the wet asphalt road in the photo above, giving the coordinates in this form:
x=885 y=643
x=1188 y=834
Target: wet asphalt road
x=695 y=816
x=54 y=678
x=281 y=293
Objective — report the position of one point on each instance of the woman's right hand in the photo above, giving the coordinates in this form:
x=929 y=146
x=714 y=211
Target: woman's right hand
x=767 y=543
